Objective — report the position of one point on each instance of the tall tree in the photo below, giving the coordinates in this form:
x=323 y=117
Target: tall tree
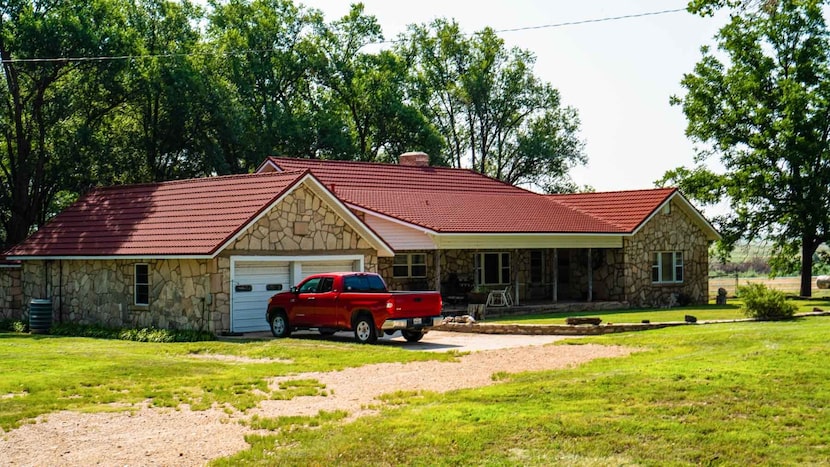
x=167 y=127
x=269 y=60
x=46 y=106
x=371 y=91
x=764 y=112
x=498 y=116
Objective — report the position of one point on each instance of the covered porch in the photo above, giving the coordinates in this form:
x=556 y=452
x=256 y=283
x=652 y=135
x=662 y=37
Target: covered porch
x=531 y=277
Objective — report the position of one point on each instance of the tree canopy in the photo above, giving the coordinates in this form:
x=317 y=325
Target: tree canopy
x=103 y=92
x=761 y=108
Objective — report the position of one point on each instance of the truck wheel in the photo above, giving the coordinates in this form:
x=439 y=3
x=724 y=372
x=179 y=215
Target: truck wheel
x=412 y=336
x=364 y=330
x=279 y=325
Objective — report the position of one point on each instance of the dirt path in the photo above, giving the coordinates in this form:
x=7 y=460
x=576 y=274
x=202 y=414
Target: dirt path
x=183 y=437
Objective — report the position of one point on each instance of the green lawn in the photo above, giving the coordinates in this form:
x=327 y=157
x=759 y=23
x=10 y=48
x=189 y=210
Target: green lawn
x=41 y=374
x=722 y=394
x=708 y=312
x=732 y=394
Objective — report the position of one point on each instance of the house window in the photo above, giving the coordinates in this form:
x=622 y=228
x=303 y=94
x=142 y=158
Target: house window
x=537 y=263
x=142 y=284
x=667 y=267
x=410 y=265
x=493 y=268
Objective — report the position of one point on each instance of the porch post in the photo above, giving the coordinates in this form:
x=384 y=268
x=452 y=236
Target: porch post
x=515 y=266
x=590 y=277
x=555 y=275
x=437 y=259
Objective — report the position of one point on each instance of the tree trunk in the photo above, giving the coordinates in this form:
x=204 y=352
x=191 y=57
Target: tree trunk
x=807 y=250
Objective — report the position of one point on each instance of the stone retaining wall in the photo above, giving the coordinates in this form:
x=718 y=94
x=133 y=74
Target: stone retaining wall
x=583 y=329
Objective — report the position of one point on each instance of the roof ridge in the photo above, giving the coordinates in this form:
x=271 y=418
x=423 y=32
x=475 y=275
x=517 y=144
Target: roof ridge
x=185 y=181
x=636 y=190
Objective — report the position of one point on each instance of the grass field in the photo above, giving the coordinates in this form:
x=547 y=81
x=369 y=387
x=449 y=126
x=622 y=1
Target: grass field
x=729 y=394
x=725 y=394
x=657 y=315
x=789 y=285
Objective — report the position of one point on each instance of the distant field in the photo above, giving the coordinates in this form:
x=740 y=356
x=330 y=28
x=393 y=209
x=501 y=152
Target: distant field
x=790 y=285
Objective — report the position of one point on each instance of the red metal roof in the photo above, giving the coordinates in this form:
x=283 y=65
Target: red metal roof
x=459 y=200
x=197 y=217
x=186 y=217
x=624 y=209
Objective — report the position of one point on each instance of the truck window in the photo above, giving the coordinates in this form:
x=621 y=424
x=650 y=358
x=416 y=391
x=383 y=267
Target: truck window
x=310 y=286
x=326 y=284
x=363 y=283
x=376 y=284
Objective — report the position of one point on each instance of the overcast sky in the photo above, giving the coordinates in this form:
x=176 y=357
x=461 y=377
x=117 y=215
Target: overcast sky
x=618 y=74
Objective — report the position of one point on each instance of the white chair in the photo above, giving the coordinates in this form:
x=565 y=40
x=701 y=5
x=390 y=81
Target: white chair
x=500 y=298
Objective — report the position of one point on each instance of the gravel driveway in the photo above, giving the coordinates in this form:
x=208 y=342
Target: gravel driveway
x=152 y=436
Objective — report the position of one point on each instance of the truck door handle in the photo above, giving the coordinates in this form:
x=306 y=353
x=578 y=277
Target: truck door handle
x=311 y=298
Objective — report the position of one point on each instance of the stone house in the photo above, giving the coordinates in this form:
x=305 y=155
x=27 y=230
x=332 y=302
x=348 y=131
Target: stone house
x=207 y=253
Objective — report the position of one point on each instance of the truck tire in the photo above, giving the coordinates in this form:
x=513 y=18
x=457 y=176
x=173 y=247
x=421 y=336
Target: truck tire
x=364 y=329
x=412 y=336
x=279 y=325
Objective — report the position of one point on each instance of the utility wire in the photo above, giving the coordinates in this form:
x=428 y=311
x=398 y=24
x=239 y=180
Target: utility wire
x=244 y=52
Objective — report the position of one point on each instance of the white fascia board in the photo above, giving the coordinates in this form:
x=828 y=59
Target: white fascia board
x=395 y=220
x=108 y=257
x=268 y=163
x=472 y=241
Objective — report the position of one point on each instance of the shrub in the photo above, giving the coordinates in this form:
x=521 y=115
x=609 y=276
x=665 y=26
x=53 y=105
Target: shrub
x=761 y=302
x=137 y=335
x=11 y=325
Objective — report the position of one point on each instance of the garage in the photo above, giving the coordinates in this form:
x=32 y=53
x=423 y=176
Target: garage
x=255 y=280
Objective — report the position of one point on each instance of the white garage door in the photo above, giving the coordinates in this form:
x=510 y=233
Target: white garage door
x=254 y=283
x=318 y=267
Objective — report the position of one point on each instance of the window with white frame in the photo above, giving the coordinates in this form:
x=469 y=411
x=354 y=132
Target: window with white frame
x=410 y=265
x=667 y=267
x=493 y=268
x=142 y=284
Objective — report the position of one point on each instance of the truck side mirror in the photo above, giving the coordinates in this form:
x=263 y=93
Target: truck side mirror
x=294 y=290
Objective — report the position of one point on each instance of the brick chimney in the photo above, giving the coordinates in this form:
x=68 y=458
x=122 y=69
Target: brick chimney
x=416 y=159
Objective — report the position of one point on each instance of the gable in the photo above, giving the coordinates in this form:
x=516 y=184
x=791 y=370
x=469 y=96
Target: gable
x=306 y=220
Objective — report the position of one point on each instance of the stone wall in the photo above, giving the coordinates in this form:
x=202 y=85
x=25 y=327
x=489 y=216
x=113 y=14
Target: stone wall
x=189 y=293
x=102 y=292
x=675 y=231
x=11 y=293
x=301 y=224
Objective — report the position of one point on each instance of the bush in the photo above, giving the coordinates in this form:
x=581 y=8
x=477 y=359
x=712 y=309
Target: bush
x=10 y=325
x=761 y=302
x=136 y=335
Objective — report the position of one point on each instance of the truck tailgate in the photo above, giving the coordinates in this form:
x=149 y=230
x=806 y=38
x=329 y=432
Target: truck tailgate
x=416 y=304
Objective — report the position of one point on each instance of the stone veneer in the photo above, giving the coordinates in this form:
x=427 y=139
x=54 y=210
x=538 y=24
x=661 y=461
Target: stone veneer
x=11 y=292
x=667 y=232
x=189 y=293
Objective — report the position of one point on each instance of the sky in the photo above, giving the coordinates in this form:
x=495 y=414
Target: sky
x=619 y=75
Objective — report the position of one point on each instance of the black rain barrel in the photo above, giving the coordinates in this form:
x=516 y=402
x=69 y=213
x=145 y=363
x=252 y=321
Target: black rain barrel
x=40 y=316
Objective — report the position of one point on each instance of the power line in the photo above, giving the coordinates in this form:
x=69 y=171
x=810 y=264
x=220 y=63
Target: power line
x=595 y=20
x=244 y=52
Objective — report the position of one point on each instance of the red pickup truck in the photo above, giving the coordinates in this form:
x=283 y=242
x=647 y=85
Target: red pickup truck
x=353 y=301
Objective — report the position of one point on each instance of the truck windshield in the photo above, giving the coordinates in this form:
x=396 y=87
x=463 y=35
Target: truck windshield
x=363 y=284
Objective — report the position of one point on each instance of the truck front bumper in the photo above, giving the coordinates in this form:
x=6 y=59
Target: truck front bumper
x=408 y=323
